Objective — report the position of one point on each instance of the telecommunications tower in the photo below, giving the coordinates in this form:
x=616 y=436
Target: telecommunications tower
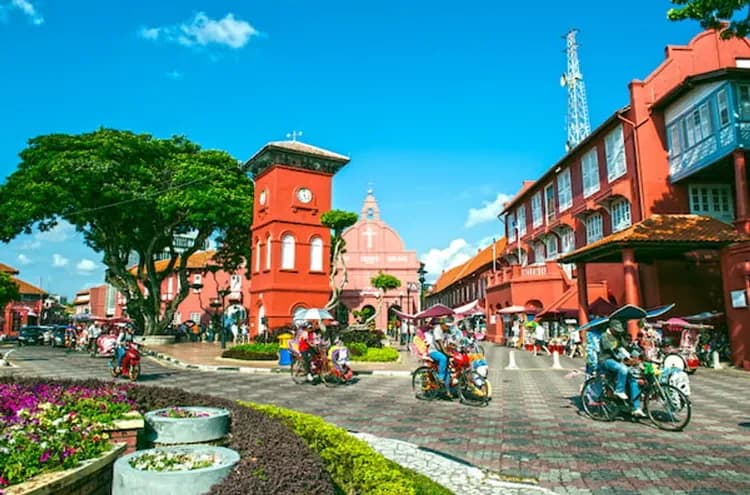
x=578 y=111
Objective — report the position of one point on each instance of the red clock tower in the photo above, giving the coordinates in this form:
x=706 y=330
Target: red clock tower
x=290 y=247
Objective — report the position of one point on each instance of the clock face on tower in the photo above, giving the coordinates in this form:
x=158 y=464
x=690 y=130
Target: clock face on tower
x=304 y=195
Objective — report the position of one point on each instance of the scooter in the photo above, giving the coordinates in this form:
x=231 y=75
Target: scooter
x=131 y=363
x=104 y=346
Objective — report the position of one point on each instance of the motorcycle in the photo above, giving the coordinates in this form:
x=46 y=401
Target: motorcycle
x=104 y=346
x=130 y=366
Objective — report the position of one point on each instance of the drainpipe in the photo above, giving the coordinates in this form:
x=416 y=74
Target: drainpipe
x=638 y=179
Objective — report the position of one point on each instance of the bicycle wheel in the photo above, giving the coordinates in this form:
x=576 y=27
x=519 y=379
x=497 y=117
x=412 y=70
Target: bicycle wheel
x=299 y=376
x=594 y=399
x=667 y=407
x=471 y=394
x=424 y=384
x=328 y=377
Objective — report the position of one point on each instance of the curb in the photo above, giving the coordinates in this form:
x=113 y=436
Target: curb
x=251 y=370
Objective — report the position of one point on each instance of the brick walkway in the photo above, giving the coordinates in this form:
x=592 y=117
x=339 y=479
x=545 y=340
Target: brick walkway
x=532 y=428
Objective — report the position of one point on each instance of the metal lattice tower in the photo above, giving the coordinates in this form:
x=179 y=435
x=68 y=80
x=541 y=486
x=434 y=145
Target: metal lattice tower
x=578 y=122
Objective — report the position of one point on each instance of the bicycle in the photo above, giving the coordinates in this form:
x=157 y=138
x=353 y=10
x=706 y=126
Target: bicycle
x=320 y=368
x=666 y=406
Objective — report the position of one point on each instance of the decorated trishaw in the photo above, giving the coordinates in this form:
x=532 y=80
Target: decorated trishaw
x=680 y=343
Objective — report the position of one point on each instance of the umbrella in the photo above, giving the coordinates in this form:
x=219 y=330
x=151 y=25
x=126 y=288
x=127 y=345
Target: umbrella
x=435 y=311
x=512 y=309
x=316 y=314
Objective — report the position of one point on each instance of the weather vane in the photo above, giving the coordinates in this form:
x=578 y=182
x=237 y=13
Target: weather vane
x=294 y=135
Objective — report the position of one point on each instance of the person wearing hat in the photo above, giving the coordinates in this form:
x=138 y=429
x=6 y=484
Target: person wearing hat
x=612 y=353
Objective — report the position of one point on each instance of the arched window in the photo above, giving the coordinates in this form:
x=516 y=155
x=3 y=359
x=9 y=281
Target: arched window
x=316 y=254
x=620 y=213
x=538 y=253
x=268 y=252
x=594 y=227
x=551 y=244
x=257 y=256
x=287 y=252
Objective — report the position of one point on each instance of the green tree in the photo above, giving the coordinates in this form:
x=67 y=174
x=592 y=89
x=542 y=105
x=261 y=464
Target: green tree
x=132 y=193
x=724 y=15
x=383 y=282
x=337 y=221
x=8 y=290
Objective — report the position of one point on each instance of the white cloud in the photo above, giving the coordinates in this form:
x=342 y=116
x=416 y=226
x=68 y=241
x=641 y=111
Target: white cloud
x=28 y=9
x=438 y=260
x=201 y=30
x=86 y=266
x=61 y=233
x=487 y=212
x=23 y=259
x=59 y=260
x=176 y=75
x=30 y=245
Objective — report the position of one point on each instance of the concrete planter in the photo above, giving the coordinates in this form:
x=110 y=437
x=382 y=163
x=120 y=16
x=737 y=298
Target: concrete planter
x=92 y=477
x=163 y=430
x=130 y=481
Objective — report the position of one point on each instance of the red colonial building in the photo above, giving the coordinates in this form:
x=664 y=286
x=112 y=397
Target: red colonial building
x=26 y=310
x=652 y=207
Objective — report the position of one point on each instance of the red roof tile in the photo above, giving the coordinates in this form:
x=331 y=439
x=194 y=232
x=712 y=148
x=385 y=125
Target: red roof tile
x=8 y=269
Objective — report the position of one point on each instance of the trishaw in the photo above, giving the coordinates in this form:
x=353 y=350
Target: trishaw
x=664 y=393
x=680 y=343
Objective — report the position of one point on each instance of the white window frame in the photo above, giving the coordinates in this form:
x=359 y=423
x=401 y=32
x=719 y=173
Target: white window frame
x=590 y=172
x=288 y=246
x=594 y=227
x=697 y=125
x=722 y=104
x=564 y=190
x=197 y=279
x=316 y=254
x=268 y=251
x=536 y=210
x=619 y=211
x=568 y=240
x=743 y=101
x=170 y=286
x=512 y=227
x=257 y=256
x=614 y=146
x=550 y=209
x=235 y=283
x=196 y=317
x=521 y=220
x=550 y=245
x=539 y=253
x=675 y=144
x=707 y=205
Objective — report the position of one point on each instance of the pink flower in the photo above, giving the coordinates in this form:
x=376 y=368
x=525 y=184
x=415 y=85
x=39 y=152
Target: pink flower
x=3 y=481
x=45 y=456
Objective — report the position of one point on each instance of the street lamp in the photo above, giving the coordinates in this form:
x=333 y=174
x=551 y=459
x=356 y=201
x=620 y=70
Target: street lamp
x=422 y=272
x=223 y=293
x=410 y=287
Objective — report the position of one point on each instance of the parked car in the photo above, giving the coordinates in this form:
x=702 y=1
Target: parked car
x=57 y=336
x=31 y=335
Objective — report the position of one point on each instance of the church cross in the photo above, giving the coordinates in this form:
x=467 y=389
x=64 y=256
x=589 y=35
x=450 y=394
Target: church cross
x=294 y=135
x=370 y=234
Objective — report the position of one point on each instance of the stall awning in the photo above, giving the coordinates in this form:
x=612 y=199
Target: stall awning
x=658 y=237
x=469 y=309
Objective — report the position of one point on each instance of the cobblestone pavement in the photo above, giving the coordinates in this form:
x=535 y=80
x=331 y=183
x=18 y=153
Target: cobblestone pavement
x=532 y=429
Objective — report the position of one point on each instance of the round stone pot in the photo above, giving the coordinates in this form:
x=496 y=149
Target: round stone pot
x=128 y=480
x=163 y=430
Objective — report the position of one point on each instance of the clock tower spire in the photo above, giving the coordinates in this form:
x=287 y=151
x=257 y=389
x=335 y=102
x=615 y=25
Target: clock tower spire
x=290 y=247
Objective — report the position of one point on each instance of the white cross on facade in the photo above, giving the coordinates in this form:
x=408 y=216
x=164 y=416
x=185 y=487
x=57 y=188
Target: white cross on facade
x=370 y=234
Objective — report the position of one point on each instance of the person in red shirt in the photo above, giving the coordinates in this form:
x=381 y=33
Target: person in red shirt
x=308 y=341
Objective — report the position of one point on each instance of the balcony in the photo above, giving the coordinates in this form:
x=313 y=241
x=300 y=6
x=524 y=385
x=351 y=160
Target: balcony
x=549 y=270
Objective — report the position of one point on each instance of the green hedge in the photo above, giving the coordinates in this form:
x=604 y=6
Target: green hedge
x=354 y=466
x=253 y=352
x=386 y=354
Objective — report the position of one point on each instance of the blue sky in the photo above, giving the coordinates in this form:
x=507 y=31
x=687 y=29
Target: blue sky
x=445 y=107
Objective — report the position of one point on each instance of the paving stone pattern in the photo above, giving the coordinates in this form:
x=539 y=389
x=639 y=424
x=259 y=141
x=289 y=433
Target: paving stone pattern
x=532 y=429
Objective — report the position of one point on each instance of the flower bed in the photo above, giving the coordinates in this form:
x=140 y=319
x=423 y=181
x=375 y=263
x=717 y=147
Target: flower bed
x=182 y=412
x=168 y=460
x=47 y=427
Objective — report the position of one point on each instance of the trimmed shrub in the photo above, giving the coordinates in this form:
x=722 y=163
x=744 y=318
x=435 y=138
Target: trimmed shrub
x=371 y=338
x=371 y=354
x=253 y=352
x=354 y=466
x=357 y=349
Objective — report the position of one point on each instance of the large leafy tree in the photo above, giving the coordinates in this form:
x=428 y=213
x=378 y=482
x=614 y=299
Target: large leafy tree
x=337 y=221
x=8 y=290
x=132 y=193
x=729 y=16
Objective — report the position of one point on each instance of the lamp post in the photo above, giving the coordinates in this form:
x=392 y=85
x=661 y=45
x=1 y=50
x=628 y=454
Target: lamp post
x=422 y=272
x=411 y=287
